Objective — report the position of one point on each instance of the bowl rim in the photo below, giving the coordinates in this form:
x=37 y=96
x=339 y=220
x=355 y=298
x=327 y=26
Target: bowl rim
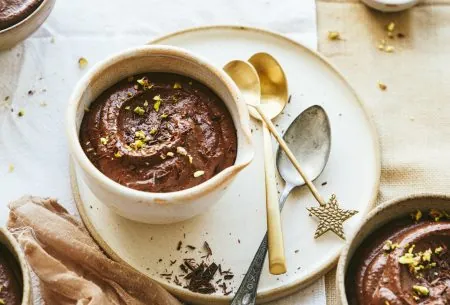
x=176 y=197
x=26 y=19
x=20 y=257
x=342 y=263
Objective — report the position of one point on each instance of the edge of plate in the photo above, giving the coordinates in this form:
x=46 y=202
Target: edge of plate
x=277 y=292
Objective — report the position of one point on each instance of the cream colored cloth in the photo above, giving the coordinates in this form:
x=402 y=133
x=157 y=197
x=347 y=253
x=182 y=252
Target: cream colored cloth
x=413 y=115
x=71 y=268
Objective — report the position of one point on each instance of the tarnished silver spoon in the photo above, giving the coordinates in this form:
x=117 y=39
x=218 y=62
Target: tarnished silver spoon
x=309 y=138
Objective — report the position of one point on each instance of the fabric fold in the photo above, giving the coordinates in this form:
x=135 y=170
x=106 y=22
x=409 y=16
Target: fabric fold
x=71 y=268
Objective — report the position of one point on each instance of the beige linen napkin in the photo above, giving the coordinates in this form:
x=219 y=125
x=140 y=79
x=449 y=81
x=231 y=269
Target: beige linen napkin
x=70 y=266
x=412 y=115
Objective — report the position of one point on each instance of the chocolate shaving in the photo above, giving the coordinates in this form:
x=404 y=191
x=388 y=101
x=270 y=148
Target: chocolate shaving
x=208 y=248
x=179 y=245
x=190 y=247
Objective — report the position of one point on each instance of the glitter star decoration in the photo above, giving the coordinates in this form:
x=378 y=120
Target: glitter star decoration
x=331 y=217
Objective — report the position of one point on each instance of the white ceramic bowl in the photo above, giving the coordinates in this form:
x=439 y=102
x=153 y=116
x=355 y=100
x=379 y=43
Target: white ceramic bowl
x=390 y=5
x=379 y=216
x=156 y=208
x=11 y=244
x=11 y=36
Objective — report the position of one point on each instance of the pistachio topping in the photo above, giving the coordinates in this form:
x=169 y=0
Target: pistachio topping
x=118 y=154
x=157 y=98
x=417 y=215
x=421 y=290
x=139 y=110
x=177 y=86
x=170 y=154
x=145 y=83
x=127 y=108
x=438 y=250
x=182 y=151
x=164 y=115
x=140 y=134
x=145 y=103
x=391 y=26
x=389 y=246
x=11 y=168
x=156 y=105
x=153 y=131
x=82 y=62
x=104 y=140
x=198 y=174
x=137 y=144
x=334 y=35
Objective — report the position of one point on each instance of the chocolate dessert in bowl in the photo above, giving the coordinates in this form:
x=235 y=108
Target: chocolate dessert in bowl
x=400 y=255
x=15 y=281
x=20 y=18
x=157 y=133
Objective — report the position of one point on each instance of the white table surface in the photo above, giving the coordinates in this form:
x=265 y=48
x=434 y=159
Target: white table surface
x=46 y=63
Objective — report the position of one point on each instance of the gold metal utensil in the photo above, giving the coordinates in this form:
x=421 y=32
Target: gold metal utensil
x=270 y=97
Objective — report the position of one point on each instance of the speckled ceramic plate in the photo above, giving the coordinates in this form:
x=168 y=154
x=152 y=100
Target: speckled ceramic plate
x=235 y=226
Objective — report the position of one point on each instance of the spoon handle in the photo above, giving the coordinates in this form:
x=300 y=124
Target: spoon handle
x=290 y=155
x=246 y=294
x=277 y=261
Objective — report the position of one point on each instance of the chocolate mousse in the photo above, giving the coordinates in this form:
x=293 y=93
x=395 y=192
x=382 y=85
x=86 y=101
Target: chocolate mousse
x=10 y=278
x=14 y=11
x=159 y=132
x=405 y=262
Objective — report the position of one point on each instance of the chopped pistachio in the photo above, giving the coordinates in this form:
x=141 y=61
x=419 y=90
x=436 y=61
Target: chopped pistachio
x=162 y=156
x=436 y=214
x=118 y=154
x=137 y=144
x=153 y=131
x=2 y=302
x=170 y=154
x=389 y=49
x=145 y=83
x=140 y=134
x=387 y=303
x=182 y=151
x=417 y=215
x=157 y=98
x=177 y=86
x=145 y=103
x=438 y=250
x=128 y=147
x=127 y=108
x=391 y=27
x=190 y=159
x=421 y=290
x=426 y=256
x=390 y=246
x=333 y=35
x=157 y=105
x=190 y=83
x=411 y=249
x=382 y=86
x=21 y=113
x=198 y=174
x=11 y=168
x=139 y=110
x=164 y=115
x=130 y=94
x=82 y=62
x=408 y=259
x=104 y=140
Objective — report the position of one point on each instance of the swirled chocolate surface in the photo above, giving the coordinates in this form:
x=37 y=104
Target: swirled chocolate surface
x=159 y=132
x=10 y=283
x=14 y=11
x=404 y=262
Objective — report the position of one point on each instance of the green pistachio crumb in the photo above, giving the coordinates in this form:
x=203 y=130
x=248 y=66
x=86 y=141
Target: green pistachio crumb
x=198 y=174
x=139 y=110
x=157 y=98
x=21 y=113
x=127 y=108
x=145 y=103
x=390 y=246
x=438 y=250
x=391 y=26
x=421 y=290
x=104 y=140
x=426 y=256
x=182 y=151
x=11 y=168
x=137 y=144
x=2 y=301
x=164 y=115
x=333 y=35
x=157 y=105
x=190 y=159
x=190 y=83
x=153 y=131
x=118 y=154
x=436 y=214
x=140 y=134
x=417 y=215
x=170 y=154
x=177 y=86
x=82 y=62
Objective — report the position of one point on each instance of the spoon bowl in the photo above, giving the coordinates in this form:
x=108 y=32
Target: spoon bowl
x=309 y=138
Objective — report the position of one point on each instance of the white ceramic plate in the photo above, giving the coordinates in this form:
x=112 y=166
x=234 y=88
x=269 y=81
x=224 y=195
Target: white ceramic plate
x=235 y=226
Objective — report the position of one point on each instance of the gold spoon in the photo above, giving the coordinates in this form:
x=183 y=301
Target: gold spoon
x=264 y=86
x=330 y=215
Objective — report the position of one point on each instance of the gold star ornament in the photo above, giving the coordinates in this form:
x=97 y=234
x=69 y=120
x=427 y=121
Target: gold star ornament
x=331 y=217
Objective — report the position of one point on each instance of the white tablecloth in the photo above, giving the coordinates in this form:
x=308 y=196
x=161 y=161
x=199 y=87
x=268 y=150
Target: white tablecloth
x=46 y=64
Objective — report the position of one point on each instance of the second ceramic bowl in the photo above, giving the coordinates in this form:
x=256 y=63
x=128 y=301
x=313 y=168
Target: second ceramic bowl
x=380 y=216
x=156 y=208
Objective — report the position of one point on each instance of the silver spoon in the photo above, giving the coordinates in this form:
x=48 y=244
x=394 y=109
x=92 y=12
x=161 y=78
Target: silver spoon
x=309 y=138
